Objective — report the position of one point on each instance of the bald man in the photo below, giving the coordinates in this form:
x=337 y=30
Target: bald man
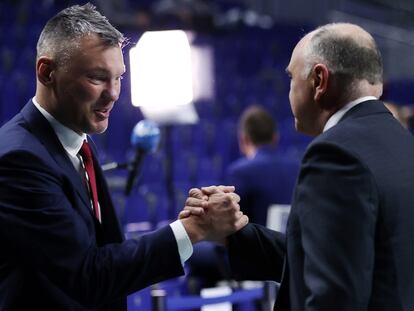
x=349 y=244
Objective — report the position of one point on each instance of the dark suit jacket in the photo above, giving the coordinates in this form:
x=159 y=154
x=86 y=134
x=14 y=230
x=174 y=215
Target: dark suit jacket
x=268 y=178
x=350 y=237
x=54 y=255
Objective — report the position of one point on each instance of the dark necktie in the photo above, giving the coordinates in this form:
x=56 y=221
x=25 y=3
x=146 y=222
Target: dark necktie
x=86 y=154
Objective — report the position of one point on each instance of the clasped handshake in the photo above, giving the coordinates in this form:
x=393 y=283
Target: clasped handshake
x=212 y=213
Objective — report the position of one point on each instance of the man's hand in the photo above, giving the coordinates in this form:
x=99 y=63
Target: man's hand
x=215 y=213
x=195 y=204
x=197 y=198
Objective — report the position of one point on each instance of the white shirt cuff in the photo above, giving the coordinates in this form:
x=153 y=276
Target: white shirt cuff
x=185 y=247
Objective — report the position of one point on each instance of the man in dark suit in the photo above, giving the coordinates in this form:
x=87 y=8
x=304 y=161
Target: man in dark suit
x=350 y=235
x=62 y=246
x=263 y=176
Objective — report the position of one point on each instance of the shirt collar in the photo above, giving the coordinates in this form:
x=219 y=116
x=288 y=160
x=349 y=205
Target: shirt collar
x=70 y=140
x=337 y=116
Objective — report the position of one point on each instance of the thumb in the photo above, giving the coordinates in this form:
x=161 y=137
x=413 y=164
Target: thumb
x=242 y=222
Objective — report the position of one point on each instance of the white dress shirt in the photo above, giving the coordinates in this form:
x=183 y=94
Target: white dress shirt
x=72 y=143
x=337 y=116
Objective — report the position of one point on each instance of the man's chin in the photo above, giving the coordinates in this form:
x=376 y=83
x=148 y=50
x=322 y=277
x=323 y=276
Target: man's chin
x=303 y=130
x=98 y=128
x=101 y=130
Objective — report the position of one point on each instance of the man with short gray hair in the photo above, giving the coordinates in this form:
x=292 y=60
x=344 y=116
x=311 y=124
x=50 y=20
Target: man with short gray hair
x=350 y=234
x=63 y=32
x=62 y=246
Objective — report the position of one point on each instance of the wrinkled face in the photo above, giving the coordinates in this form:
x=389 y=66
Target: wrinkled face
x=87 y=86
x=304 y=109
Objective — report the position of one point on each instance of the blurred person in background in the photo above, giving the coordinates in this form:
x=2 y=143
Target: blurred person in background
x=62 y=246
x=263 y=176
x=349 y=239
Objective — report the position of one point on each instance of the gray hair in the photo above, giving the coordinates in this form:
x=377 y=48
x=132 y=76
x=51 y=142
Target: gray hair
x=62 y=33
x=346 y=57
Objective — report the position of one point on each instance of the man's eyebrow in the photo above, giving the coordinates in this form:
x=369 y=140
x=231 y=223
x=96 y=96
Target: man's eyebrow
x=99 y=70
x=104 y=71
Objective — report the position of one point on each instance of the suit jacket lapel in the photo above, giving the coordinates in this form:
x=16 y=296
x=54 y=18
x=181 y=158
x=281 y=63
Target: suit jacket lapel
x=110 y=228
x=41 y=128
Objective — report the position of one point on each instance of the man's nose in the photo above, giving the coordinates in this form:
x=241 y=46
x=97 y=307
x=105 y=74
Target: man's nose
x=112 y=91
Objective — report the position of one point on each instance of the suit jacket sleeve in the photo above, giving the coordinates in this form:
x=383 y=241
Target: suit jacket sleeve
x=335 y=216
x=257 y=253
x=45 y=234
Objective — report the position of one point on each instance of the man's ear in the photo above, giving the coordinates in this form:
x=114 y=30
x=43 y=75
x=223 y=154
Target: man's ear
x=45 y=70
x=321 y=76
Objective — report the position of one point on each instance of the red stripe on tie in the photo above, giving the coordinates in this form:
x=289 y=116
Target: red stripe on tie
x=86 y=154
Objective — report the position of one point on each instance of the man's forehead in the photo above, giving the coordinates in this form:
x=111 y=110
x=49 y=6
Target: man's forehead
x=94 y=54
x=93 y=41
x=300 y=46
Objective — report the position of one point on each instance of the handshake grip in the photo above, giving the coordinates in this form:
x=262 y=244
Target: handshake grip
x=211 y=214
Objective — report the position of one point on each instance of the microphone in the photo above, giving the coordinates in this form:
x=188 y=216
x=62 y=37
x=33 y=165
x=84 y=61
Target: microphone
x=145 y=137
